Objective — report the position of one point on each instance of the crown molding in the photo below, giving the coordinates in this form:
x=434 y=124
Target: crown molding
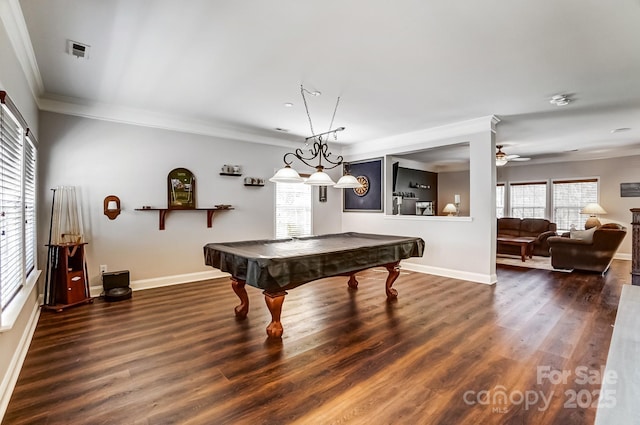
x=16 y=27
x=144 y=118
x=421 y=139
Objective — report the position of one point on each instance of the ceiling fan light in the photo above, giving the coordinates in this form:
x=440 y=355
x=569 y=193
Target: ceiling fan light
x=500 y=161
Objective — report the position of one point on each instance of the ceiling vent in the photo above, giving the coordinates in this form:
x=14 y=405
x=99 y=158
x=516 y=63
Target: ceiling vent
x=78 y=50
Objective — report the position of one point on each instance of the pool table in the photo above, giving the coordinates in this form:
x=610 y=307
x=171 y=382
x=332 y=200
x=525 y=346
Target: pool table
x=278 y=265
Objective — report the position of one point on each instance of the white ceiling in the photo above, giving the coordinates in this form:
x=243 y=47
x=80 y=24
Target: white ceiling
x=398 y=66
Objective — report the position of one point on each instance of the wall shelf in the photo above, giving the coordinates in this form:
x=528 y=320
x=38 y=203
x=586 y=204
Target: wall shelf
x=254 y=184
x=231 y=174
x=163 y=212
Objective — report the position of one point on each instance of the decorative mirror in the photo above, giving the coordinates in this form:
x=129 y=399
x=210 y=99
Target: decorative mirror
x=181 y=189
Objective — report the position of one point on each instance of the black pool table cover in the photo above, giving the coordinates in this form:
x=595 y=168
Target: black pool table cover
x=280 y=264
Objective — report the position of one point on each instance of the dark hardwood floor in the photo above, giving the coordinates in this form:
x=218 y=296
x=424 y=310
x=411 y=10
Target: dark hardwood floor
x=446 y=352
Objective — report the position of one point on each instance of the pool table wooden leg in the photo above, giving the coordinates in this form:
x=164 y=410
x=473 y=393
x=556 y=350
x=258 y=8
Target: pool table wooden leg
x=394 y=272
x=353 y=282
x=274 y=304
x=242 y=309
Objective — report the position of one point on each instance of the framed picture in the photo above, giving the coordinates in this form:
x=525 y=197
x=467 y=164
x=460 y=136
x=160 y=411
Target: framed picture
x=629 y=190
x=181 y=186
x=368 y=198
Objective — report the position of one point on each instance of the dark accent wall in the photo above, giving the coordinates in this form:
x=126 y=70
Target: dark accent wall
x=422 y=185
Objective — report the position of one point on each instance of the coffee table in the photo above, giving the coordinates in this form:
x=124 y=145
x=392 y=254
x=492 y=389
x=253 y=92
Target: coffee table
x=525 y=244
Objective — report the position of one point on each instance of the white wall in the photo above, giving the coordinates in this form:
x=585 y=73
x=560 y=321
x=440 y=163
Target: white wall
x=461 y=247
x=611 y=173
x=104 y=158
x=12 y=79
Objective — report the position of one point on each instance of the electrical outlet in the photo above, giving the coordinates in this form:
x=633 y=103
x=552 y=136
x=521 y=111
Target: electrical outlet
x=103 y=268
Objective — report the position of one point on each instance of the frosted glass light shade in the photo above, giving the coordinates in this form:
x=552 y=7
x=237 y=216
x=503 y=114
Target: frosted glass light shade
x=450 y=208
x=593 y=209
x=500 y=161
x=286 y=175
x=320 y=178
x=348 y=182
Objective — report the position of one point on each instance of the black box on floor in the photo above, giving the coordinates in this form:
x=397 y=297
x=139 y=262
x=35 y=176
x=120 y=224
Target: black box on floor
x=116 y=285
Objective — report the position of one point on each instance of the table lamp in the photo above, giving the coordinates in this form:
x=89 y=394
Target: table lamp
x=592 y=210
x=450 y=208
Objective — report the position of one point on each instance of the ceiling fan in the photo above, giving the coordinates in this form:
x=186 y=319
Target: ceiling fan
x=502 y=158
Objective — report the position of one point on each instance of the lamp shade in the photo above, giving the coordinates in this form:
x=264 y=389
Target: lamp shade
x=450 y=208
x=319 y=178
x=348 y=182
x=593 y=209
x=286 y=175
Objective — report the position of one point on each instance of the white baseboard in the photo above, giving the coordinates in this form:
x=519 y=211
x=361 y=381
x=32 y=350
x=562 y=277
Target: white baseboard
x=620 y=256
x=13 y=371
x=157 y=282
x=454 y=274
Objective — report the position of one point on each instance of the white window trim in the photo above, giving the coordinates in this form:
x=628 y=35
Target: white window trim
x=12 y=311
x=559 y=179
x=275 y=216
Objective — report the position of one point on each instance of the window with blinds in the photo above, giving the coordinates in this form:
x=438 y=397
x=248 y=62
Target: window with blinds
x=17 y=202
x=293 y=210
x=500 y=201
x=29 y=204
x=569 y=197
x=528 y=200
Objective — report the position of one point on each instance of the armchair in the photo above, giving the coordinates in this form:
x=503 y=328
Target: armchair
x=590 y=252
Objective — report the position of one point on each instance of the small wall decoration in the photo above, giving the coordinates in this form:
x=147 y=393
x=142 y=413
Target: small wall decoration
x=629 y=190
x=322 y=193
x=181 y=185
x=368 y=198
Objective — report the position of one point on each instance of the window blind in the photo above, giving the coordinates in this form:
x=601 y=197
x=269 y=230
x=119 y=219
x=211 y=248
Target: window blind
x=569 y=197
x=11 y=214
x=30 y=224
x=293 y=210
x=500 y=200
x=528 y=200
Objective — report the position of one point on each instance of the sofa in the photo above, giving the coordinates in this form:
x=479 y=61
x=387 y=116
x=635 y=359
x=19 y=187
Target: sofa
x=588 y=250
x=538 y=229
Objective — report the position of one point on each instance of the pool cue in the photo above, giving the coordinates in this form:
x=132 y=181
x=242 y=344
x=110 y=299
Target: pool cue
x=49 y=252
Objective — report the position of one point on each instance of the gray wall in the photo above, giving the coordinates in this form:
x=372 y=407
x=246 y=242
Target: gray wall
x=611 y=173
x=103 y=158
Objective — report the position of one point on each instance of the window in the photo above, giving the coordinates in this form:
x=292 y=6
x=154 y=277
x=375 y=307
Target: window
x=500 y=200
x=293 y=210
x=528 y=200
x=17 y=202
x=569 y=197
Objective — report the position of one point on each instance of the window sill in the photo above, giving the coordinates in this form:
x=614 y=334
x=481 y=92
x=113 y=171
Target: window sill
x=11 y=313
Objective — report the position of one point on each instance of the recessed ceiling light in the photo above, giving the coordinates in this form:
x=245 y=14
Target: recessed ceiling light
x=560 y=100
x=288 y=105
x=620 y=130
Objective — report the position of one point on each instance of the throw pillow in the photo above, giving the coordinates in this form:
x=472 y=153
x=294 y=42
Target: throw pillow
x=585 y=235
